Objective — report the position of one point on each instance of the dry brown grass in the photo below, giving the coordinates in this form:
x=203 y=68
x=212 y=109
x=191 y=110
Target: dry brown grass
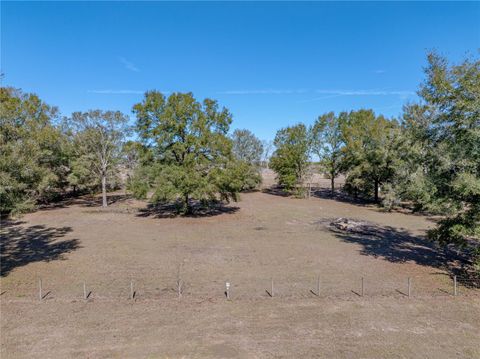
x=265 y=236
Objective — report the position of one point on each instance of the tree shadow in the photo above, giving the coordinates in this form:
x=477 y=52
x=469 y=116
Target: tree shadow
x=20 y=245
x=276 y=190
x=399 y=246
x=323 y=193
x=340 y=196
x=171 y=210
x=87 y=201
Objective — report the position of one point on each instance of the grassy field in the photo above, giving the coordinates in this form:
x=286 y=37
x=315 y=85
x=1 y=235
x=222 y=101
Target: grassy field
x=265 y=236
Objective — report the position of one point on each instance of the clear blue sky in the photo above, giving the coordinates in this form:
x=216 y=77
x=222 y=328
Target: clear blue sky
x=271 y=64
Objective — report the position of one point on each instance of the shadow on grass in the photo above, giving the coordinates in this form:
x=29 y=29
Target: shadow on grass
x=276 y=191
x=20 y=245
x=400 y=246
x=340 y=196
x=198 y=210
x=87 y=201
x=321 y=192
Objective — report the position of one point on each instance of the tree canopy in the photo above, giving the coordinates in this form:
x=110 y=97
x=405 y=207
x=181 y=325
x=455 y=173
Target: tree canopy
x=248 y=151
x=370 y=151
x=98 y=137
x=291 y=158
x=191 y=153
x=327 y=144
x=451 y=94
x=247 y=147
x=33 y=167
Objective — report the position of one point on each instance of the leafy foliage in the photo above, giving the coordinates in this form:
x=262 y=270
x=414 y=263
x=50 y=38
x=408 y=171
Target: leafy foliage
x=33 y=167
x=247 y=147
x=191 y=153
x=248 y=150
x=291 y=158
x=370 y=152
x=132 y=154
x=327 y=143
x=97 y=137
x=452 y=99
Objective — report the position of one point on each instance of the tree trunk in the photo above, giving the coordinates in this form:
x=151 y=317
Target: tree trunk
x=376 y=190
x=104 y=191
x=188 y=209
x=332 y=182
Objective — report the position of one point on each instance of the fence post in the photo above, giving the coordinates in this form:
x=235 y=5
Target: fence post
x=40 y=295
x=363 y=286
x=455 y=285
x=409 y=286
x=271 y=289
x=132 y=293
x=318 y=286
x=84 y=290
x=227 y=290
x=179 y=288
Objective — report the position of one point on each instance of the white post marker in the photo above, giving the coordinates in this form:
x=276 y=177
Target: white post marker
x=227 y=289
x=179 y=288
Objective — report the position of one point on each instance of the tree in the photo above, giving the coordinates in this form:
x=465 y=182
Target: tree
x=33 y=164
x=291 y=158
x=97 y=137
x=370 y=151
x=327 y=143
x=136 y=160
x=267 y=151
x=419 y=159
x=133 y=152
x=191 y=153
x=452 y=137
x=248 y=149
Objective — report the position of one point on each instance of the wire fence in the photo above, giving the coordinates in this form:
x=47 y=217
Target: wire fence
x=168 y=288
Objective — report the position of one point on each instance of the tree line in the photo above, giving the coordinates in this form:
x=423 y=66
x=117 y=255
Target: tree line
x=180 y=151
x=183 y=152
x=429 y=158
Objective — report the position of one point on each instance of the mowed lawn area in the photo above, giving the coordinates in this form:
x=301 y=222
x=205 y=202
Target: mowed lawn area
x=317 y=308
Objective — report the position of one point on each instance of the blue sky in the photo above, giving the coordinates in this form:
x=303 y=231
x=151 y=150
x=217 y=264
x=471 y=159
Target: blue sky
x=272 y=64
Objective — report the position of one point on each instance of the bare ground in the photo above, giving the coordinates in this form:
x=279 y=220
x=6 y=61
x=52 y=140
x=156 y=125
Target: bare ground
x=265 y=236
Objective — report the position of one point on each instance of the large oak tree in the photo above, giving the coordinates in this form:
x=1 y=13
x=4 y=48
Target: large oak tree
x=191 y=153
